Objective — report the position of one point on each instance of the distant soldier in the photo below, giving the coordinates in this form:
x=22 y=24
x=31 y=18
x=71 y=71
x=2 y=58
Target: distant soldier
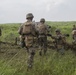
x=74 y=41
x=28 y=31
x=0 y=32
x=59 y=41
x=74 y=27
x=42 y=30
x=74 y=36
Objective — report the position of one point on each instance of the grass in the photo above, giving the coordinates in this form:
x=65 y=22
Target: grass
x=13 y=59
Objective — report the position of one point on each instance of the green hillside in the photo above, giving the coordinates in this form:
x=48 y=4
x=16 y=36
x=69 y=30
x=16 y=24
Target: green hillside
x=13 y=58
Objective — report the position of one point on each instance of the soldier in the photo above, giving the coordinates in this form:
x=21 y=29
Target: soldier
x=74 y=39
x=28 y=31
x=74 y=27
x=42 y=30
x=59 y=41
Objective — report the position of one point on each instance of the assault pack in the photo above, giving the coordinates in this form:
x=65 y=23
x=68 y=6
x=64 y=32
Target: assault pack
x=42 y=29
x=28 y=28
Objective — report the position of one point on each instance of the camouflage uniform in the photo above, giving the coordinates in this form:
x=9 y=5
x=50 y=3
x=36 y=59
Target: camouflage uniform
x=42 y=39
x=74 y=40
x=59 y=41
x=29 y=41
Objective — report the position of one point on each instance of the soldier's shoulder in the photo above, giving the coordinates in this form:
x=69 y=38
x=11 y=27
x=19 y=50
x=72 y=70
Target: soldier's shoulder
x=74 y=31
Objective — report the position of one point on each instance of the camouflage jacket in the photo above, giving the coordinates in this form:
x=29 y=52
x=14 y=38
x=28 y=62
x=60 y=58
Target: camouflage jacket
x=46 y=29
x=21 y=28
x=59 y=39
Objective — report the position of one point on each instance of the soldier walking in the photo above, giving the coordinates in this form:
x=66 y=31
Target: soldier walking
x=42 y=30
x=28 y=31
x=74 y=40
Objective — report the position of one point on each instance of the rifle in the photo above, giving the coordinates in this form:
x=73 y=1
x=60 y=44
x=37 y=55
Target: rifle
x=49 y=34
x=66 y=35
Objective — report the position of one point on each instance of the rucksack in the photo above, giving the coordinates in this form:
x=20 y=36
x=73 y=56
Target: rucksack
x=42 y=29
x=27 y=28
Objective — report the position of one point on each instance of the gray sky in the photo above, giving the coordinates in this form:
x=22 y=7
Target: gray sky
x=12 y=11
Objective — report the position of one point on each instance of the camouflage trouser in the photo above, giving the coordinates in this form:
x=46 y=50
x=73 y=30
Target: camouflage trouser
x=31 y=54
x=22 y=43
x=42 y=45
x=61 y=50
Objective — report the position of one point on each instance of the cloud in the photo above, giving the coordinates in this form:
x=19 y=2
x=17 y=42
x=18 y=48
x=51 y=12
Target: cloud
x=16 y=10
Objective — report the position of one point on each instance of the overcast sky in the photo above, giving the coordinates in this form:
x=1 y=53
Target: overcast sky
x=12 y=11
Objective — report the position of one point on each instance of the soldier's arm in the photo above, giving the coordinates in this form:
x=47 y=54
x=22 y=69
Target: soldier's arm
x=53 y=37
x=20 y=29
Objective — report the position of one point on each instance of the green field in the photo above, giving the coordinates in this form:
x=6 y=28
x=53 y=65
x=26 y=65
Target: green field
x=13 y=58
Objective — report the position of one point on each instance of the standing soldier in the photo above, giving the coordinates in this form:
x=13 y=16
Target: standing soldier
x=42 y=30
x=59 y=41
x=74 y=39
x=73 y=29
x=28 y=31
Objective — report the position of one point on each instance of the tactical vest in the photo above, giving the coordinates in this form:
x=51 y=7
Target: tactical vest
x=42 y=29
x=28 y=28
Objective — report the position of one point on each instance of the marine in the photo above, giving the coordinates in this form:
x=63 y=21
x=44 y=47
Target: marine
x=42 y=31
x=28 y=31
x=74 y=40
x=60 y=41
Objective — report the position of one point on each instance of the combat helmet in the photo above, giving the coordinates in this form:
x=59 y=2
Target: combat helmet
x=29 y=15
x=57 y=30
x=42 y=20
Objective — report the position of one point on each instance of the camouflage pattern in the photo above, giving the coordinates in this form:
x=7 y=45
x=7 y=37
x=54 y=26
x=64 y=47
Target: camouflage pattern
x=31 y=54
x=22 y=43
x=42 y=44
x=43 y=38
x=29 y=40
x=74 y=34
x=29 y=15
x=60 y=42
x=42 y=20
x=74 y=41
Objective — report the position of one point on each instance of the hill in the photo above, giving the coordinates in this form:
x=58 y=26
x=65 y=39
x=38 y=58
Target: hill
x=13 y=58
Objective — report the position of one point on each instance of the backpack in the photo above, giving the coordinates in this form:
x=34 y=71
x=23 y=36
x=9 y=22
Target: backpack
x=42 y=29
x=27 y=28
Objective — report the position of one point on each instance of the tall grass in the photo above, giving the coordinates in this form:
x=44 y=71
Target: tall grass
x=13 y=59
